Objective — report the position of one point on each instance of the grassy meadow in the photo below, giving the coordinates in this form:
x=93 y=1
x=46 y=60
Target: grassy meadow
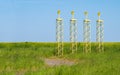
x=27 y=58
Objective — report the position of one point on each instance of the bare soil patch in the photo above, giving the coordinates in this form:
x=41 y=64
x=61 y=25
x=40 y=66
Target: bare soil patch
x=58 y=61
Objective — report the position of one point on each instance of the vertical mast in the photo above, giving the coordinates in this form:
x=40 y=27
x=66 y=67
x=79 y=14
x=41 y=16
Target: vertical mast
x=100 y=34
x=59 y=34
x=73 y=33
x=86 y=34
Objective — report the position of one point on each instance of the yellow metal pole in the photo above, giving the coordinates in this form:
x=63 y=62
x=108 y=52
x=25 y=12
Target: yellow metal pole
x=100 y=34
x=86 y=34
x=59 y=34
x=73 y=33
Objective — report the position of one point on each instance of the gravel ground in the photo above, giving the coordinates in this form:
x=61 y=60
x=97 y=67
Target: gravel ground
x=57 y=62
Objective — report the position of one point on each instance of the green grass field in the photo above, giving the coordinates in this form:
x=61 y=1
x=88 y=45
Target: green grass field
x=28 y=59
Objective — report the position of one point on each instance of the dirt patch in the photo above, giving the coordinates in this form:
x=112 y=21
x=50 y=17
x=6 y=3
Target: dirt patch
x=57 y=62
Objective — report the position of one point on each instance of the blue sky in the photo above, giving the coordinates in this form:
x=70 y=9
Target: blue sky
x=34 y=20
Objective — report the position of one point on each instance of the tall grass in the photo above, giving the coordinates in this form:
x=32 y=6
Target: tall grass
x=28 y=59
